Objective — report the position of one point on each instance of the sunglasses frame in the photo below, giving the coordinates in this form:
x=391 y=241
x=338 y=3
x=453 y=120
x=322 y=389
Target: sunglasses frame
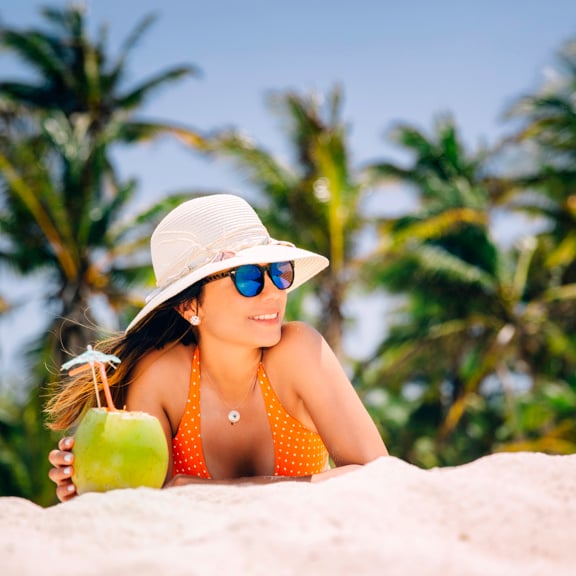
x=264 y=269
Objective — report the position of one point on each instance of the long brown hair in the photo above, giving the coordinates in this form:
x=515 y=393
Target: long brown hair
x=164 y=326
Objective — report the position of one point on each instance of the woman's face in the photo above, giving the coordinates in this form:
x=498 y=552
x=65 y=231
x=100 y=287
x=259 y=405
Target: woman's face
x=227 y=315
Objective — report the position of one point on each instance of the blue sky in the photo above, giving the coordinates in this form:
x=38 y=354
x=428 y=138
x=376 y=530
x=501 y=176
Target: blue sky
x=396 y=61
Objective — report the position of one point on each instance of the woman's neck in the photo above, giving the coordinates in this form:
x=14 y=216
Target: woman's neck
x=229 y=369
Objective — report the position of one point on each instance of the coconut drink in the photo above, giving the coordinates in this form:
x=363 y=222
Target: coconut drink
x=115 y=448
x=118 y=449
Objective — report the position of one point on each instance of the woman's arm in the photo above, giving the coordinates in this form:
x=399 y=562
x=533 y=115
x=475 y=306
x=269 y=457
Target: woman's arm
x=328 y=397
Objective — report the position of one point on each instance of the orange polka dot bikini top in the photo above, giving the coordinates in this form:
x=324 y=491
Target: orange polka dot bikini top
x=298 y=451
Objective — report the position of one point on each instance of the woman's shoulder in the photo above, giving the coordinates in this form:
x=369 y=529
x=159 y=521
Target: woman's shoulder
x=297 y=338
x=297 y=331
x=160 y=383
x=166 y=363
x=295 y=362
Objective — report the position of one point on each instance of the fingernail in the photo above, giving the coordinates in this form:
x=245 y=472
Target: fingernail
x=67 y=470
x=68 y=458
x=71 y=488
x=67 y=441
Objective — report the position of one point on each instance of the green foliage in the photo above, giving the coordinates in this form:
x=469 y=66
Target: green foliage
x=24 y=447
x=478 y=318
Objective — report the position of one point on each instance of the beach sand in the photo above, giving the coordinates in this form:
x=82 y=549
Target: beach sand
x=504 y=514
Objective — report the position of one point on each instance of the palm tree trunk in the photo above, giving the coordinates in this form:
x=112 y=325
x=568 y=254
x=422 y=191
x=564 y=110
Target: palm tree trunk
x=332 y=318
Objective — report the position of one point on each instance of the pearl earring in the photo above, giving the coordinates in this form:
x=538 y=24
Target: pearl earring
x=194 y=320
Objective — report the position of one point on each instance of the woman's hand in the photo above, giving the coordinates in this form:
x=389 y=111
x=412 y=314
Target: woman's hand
x=62 y=460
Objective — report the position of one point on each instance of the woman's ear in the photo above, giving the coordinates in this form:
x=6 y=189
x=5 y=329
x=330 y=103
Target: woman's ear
x=184 y=310
x=189 y=311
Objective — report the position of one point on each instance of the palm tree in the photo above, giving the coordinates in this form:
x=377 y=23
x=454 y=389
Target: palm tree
x=63 y=210
x=90 y=249
x=72 y=75
x=472 y=311
x=448 y=230
x=88 y=246
x=548 y=117
x=546 y=123
x=317 y=199
x=71 y=114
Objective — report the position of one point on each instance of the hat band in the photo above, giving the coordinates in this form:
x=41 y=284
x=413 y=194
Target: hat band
x=217 y=257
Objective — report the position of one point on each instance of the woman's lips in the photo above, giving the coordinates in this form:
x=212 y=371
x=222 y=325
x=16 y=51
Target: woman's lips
x=261 y=317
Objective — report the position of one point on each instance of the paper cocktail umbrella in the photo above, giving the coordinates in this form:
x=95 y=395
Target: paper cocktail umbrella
x=86 y=361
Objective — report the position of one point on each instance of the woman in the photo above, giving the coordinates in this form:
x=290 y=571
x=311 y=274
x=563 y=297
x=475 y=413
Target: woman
x=240 y=394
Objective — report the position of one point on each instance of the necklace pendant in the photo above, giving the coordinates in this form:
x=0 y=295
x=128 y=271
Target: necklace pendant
x=233 y=416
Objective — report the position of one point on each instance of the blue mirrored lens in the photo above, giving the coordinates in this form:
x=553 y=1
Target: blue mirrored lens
x=282 y=274
x=249 y=280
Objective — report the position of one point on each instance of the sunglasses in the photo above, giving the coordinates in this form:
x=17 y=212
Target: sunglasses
x=249 y=279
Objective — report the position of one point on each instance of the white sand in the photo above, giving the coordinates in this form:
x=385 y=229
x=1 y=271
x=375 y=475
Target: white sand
x=506 y=514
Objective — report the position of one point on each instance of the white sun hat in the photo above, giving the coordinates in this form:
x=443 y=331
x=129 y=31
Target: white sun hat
x=210 y=234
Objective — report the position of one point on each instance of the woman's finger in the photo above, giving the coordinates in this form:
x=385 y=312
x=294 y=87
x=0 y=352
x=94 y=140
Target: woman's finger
x=60 y=474
x=60 y=458
x=66 y=443
x=66 y=491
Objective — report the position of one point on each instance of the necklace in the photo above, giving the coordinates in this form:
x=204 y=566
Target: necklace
x=234 y=412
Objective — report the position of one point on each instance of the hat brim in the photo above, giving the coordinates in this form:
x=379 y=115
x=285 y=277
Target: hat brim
x=306 y=265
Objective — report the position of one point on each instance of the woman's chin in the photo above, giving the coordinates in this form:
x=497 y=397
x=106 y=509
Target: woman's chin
x=269 y=340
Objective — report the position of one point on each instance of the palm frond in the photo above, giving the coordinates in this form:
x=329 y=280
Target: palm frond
x=138 y=95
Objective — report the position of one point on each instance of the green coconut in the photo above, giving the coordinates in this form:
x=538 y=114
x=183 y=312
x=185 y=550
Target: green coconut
x=119 y=449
